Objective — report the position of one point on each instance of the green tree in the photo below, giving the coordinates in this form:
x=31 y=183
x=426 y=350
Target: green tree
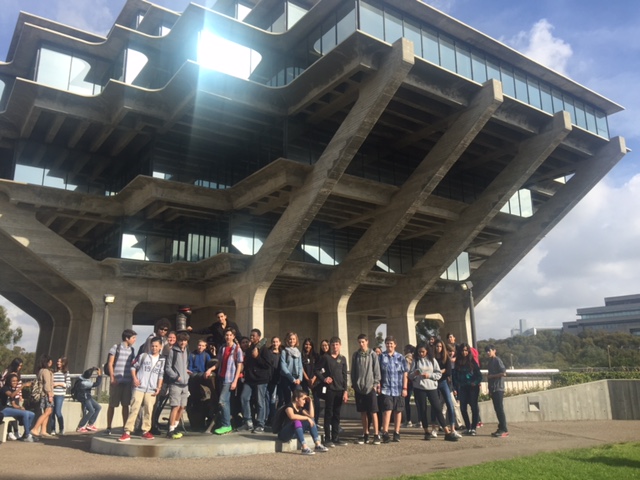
x=8 y=351
x=8 y=335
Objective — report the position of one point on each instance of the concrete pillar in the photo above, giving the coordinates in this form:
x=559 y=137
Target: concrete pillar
x=454 y=308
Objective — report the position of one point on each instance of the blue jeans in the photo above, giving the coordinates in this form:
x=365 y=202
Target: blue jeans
x=26 y=416
x=443 y=388
x=258 y=393
x=224 y=403
x=91 y=410
x=297 y=428
x=57 y=413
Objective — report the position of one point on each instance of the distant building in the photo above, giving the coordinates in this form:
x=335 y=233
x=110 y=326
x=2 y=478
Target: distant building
x=619 y=314
x=532 y=332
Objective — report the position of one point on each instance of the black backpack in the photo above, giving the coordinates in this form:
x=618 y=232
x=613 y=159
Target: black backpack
x=279 y=419
x=77 y=392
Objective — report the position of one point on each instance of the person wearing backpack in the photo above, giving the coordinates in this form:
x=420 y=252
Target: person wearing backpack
x=147 y=371
x=119 y=370
x=177 y=376
x=81 y=391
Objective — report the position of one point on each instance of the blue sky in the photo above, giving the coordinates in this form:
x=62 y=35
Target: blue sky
x=593 y=253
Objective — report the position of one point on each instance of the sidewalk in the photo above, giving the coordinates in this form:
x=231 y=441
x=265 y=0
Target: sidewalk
x=68 y=457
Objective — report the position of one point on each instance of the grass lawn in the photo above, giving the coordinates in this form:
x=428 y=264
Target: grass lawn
x=619 y=461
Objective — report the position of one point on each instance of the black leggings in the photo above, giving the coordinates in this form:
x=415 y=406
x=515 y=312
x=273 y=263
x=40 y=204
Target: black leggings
x=421 y=397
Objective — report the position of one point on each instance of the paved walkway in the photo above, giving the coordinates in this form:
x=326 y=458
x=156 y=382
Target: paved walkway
x=69 y=457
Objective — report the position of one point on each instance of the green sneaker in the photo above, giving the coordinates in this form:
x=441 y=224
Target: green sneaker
x=222 y=430
x=176 y=435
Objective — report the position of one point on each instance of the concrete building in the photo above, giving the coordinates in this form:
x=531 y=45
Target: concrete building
x=318 y=165
x=619 y=315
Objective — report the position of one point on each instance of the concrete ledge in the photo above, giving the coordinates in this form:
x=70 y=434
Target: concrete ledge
x=192 y=445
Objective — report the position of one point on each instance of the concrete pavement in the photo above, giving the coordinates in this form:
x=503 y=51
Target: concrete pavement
x=69 y=457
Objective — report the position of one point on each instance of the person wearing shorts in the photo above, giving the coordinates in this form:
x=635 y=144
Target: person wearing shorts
x=365 y=380
x=120 y=358
x=393 y=388
x=175 y=373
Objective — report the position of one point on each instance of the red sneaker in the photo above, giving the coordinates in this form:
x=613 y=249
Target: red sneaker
x=92 y=428
x=148 y=436
x=125 y=437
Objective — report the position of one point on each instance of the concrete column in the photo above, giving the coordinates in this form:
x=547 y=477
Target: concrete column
x=332 y=321
x=401 y=323
x=454 y=308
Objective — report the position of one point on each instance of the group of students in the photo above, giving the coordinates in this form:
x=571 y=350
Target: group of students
x=276 y=386
x=38 y=419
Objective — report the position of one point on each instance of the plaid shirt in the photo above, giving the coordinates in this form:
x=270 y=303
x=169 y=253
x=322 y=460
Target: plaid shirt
x=392 y=371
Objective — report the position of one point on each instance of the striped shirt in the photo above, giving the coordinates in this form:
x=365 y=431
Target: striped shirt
x=235 y=358
x=61 y=377
x=122 y=365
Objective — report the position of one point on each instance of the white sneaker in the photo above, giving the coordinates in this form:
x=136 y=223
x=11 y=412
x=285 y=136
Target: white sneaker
x=11 y=436
x=455 y=432
x=434 y=433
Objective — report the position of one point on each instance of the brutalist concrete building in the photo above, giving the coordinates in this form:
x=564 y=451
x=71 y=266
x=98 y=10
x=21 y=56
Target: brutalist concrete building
x=323 y=166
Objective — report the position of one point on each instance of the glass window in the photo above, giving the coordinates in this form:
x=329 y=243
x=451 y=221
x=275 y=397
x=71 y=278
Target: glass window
x=328 y=35
x=346 y=24
x=412 y=32
x=430 y=49
x=590 y=115
x=53 y=69
x=521 y=87
x=581 y=119
x=545 y=98
x=294 y=14
x=601 y=122
x=493 y=71
x=3 y=85
x=280 y=23
x=569 y=107
x=133 y=247
x=478 y=68
x=135 y=63
x=558 y=104
x=242 y=11
x=392 y=27
x=222 y=55
x=371 y=20
x=508 y=82
x=534 y=92
x=463 y=61
x=447 y=53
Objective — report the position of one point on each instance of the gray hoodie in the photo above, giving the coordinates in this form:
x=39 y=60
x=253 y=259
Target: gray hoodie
x=424 y=365
x=175 y=369
x=365 y=371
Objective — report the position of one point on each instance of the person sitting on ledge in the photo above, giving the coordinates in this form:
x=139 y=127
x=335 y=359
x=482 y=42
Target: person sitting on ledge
x=298 y=420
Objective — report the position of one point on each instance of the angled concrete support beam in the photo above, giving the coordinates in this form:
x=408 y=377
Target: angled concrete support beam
x=392 y=218
x=307 y=201
x=458 y=235
x=515 y=246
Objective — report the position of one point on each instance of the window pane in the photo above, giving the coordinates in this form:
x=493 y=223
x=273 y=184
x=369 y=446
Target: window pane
x=135 y=63
x=447 y=53
x=430 y=49
x=392 y=27
x=328 y=35
x=371 y=20
x=558 y=104
x=508 y=83
x=534 y=92
x=463 y=61
x=590 y=115
x=294 y=13
x=412 y=32
x=603 y=127
x=53 y=69
x=493 y=71
x=346 y=21
x=479 y=68
x=545 y=95
x=521 y=87
x=569 y=107
x=581 y=120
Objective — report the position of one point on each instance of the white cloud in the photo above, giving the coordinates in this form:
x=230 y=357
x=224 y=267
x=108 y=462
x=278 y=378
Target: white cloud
x=590 y=255
x=540 y=45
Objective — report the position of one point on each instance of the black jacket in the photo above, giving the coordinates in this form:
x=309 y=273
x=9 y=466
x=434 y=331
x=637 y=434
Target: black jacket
x=257 y=371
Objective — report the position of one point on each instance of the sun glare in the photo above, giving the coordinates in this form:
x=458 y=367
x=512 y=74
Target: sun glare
x=222 y=55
